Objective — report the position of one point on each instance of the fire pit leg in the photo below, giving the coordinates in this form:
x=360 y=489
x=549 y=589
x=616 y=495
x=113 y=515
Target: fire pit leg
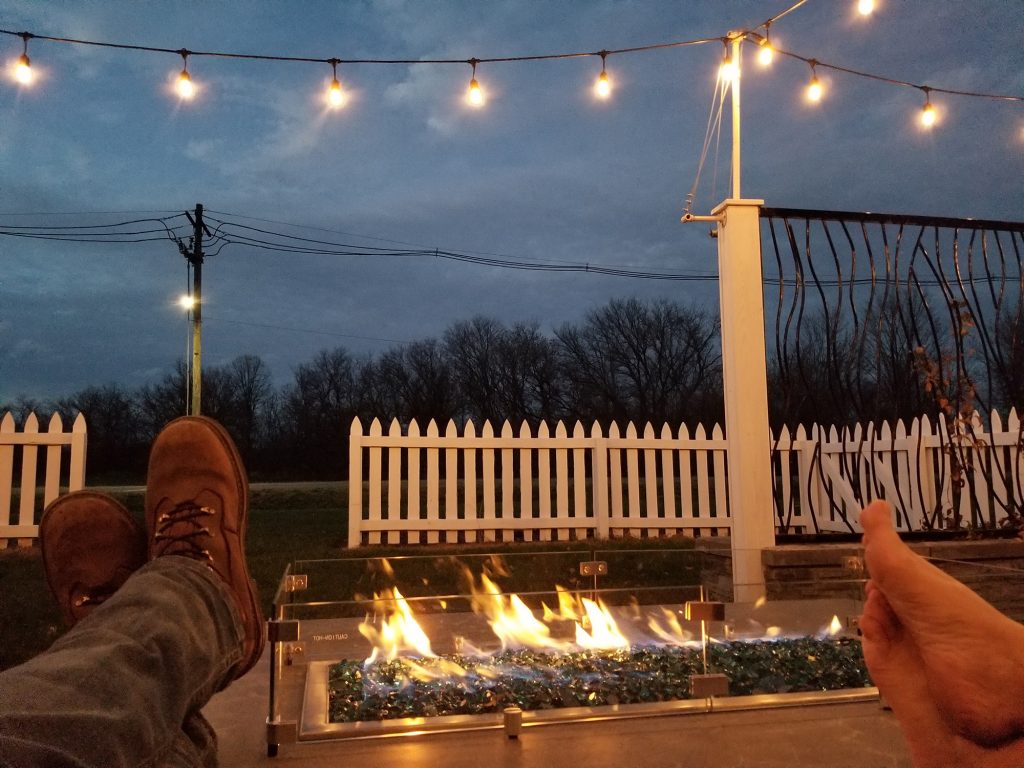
x=513 y=722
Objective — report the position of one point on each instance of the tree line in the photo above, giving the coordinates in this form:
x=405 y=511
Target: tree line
x=628 y=360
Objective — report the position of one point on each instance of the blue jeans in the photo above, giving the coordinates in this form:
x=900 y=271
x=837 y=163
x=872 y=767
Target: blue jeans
x=125 y=685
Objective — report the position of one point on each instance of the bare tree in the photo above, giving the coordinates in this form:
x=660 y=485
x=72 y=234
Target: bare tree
x=641 y=362
x=161 y=402
x=412 y=382
x=473 y=349
x=1008 y=373
x=251 y=402
x=529 y=376
x=116 y=441
x=316 y=411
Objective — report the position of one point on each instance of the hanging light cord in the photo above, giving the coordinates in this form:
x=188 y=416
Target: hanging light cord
x=751 y=34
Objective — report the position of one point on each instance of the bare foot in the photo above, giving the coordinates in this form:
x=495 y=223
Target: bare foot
x=950 y=664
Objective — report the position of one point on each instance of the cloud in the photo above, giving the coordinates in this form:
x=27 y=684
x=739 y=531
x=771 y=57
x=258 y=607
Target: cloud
x=203 y=149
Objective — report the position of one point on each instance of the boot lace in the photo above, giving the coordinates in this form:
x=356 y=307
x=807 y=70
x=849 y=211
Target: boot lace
x=180 y=531
x=91 y=598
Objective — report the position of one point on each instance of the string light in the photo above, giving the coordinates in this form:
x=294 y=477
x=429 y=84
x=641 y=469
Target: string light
x=475 y=96
x=766 y=52
x=728 y=71
x=335 y=96
x=23 y=68
x=603 y=86
x=815 y=90
x=186 y=88
x=928 y=115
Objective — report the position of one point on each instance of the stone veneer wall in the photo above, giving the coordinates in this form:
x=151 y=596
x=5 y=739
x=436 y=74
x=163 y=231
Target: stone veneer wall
x=807 y=571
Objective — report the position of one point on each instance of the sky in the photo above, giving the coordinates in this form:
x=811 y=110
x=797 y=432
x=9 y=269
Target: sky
x=544 y=171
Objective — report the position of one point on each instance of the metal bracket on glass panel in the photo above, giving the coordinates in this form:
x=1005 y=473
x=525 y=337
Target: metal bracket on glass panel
x=704 y=611
x=854 y=563
x=295 y=582
x=282 y=631
x=594 y=568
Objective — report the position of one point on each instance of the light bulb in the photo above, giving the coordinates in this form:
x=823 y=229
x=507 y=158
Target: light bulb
x=928 y=115
x=475 y=94
x=335 y=96
x=186 y=302
x=814 y=89
x=865 y=7
x=603 y=86
x=186 y=89
x=766 y=54
x=728 y=71
x=23 y=70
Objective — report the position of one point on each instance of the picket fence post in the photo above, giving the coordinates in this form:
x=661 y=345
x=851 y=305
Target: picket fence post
x=35 y=446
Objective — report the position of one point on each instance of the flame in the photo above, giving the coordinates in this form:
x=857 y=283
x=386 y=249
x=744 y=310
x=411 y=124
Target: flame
x=399 y=631
x=604 y=633
x=596 y=628
x=835 y=627
x=569 y=607
x=438 y=669
x=671 y=631
x=773 y=631
x=510 y=618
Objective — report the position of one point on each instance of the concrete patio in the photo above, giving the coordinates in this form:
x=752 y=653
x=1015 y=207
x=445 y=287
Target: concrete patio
x=838 y=736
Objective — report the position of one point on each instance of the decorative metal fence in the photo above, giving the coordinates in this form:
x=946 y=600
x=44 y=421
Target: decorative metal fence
x=884 y=319
x=22 y=451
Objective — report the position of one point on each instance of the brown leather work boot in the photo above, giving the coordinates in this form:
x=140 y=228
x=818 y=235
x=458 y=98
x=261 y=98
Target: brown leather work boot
x=91 y=544
x=197 y=504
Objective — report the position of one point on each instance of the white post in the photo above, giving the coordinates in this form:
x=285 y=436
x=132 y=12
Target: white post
x=746 y=393
x=737 y=60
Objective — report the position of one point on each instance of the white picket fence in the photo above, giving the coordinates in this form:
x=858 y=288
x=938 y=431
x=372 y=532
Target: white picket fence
x=430 y=488
x=408 y=486
x=39 y=452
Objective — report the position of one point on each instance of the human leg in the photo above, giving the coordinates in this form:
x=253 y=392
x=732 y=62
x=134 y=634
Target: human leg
x=183 y=627
x=116 y=689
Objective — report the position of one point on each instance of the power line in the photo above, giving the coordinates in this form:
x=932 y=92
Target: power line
x=427 y=249
x=283 y=242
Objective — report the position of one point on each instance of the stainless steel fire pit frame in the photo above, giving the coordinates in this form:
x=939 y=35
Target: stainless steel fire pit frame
x=299 y=712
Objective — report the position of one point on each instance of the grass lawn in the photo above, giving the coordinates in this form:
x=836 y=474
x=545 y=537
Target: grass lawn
x=285 y=524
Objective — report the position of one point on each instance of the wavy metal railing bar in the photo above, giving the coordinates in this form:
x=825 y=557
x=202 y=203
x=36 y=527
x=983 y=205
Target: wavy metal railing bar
x=868 y=306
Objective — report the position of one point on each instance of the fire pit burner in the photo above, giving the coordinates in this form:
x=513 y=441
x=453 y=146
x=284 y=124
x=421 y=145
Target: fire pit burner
x=457 y=685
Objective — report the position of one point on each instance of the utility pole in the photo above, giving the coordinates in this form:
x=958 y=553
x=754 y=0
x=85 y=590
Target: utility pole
x=195 y=258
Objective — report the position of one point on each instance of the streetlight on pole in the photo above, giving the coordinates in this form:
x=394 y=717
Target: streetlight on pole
x=186 y=302
x=194 y=255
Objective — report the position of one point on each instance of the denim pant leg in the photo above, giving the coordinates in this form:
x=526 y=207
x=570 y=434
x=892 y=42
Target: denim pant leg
x=125 y=685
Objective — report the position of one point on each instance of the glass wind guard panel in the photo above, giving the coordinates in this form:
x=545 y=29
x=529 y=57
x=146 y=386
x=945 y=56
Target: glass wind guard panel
x=409 y=644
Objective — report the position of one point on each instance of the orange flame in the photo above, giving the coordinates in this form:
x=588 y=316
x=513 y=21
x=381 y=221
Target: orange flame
x=510 y=618
x=671 y=631
x=835 y=627
x=604 y=633
x=399 y=631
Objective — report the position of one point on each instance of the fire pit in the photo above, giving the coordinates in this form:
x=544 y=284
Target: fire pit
x=373 y=647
